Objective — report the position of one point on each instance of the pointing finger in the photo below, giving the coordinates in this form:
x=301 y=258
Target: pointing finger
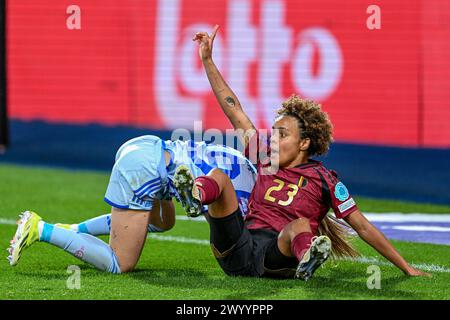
x=213 y=35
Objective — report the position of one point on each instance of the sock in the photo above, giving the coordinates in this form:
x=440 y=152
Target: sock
x=300 y=244
x=209 y=189
x=101 y=226
x=83 y=246
x=96 y=226
x=40 y=228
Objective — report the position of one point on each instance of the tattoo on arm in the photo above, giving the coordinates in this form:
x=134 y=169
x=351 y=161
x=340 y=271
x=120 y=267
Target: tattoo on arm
x=230 y=101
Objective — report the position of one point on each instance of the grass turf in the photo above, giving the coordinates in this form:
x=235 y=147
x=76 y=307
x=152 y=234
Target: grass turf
x=174 y=270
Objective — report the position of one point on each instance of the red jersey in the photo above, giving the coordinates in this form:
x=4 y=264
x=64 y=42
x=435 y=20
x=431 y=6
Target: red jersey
x=308 y=190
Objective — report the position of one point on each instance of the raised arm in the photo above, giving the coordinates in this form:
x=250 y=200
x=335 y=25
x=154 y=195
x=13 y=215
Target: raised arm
x=224 y=95
x=370 y=234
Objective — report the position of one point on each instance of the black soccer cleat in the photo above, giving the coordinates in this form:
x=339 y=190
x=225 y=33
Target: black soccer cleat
x=316 y=255
x=188 y=193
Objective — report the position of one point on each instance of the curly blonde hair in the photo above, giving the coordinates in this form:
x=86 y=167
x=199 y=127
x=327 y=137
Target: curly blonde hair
x=312 y=121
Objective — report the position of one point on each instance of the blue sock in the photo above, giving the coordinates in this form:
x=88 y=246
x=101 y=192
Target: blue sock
x=96 y=226
x=101 y=225
x=83 y=246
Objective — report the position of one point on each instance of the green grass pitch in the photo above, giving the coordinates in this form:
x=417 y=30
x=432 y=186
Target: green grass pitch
x=176 y=270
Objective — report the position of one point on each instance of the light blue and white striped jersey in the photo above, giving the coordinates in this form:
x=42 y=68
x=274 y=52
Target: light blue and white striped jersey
x=140 y=173
x=201 y=158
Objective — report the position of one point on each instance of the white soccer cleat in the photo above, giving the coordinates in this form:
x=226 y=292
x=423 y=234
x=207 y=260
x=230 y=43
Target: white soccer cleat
x=27 y=233
x=188 y=193
x=317 y=254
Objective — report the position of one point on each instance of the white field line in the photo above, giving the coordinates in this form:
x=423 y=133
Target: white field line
x=407 y=217
x=364 y=260
x=422 y=266
x=422 y=228
x=177 y=239
x=7 y=221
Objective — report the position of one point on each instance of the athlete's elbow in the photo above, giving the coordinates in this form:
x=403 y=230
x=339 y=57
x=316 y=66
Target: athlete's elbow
x=168 y=225
x=161 y=227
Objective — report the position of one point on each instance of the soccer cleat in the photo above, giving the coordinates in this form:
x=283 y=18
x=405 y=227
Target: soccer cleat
x=188 y=193
x=27 y=233
x=316 y=255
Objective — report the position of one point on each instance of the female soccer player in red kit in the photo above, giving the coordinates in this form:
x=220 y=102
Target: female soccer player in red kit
x=289 y=203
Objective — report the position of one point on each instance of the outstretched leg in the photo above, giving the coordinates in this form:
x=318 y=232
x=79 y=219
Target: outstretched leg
x=31 y=228
x=97 y=226
x=162 y=219
x=84 y=246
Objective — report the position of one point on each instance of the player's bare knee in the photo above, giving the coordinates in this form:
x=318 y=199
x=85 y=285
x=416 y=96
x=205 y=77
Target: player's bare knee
x=126 y=267
x=297 y=226
x=284 y=235
x=125 y=263
x=222 y=180
x=284 y=242
x=301 y=225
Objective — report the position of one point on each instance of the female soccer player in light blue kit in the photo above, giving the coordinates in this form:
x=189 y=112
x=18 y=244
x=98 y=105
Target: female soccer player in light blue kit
x=139 y=192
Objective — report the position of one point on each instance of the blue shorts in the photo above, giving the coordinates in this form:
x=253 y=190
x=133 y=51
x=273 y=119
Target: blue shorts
x=138 y=175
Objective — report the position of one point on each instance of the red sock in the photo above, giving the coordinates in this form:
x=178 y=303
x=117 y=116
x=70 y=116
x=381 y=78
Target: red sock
x=209 y=189
x=300 y=244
